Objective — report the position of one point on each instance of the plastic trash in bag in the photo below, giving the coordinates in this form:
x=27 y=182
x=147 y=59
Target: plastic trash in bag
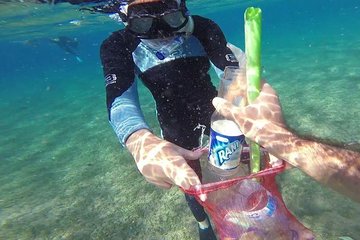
x=247 y=207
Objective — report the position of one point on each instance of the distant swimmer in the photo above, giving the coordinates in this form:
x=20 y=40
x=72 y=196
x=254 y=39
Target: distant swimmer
x=69 y=45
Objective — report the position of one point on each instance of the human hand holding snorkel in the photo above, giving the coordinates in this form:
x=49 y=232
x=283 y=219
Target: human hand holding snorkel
x=257 y=119
x=162 y=163
x=262 y=121
x=239 y=88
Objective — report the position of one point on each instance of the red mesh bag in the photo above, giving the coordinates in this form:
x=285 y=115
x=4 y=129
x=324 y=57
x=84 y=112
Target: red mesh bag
x=248 y=207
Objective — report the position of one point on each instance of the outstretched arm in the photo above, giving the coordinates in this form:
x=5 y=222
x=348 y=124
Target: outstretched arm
x=160 y=162
x=263 y=123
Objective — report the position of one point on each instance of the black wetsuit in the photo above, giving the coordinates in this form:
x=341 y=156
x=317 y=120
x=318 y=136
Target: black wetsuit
x=180 y=85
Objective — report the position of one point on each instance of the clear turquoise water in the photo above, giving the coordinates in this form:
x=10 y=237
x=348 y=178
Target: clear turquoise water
x=63 y=175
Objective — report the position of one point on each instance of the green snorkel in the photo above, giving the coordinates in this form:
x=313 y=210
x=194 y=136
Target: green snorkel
x=252 y=17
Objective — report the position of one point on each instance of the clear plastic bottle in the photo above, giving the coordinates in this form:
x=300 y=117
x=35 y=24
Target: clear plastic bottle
x=226 y=138
x=252 y=205
x=247 y=206
x=255 y=200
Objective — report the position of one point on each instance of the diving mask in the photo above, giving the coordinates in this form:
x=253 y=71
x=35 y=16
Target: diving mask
x=156 y=19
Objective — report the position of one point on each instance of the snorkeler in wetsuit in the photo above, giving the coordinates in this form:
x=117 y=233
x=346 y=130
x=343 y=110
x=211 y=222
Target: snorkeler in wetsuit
x=171 y=52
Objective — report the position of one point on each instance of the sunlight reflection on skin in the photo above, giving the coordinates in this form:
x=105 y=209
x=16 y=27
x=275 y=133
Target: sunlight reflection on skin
x=254 y=120
x=266 y=110
x=262 y=121
x=161 y=162
x=164 y=164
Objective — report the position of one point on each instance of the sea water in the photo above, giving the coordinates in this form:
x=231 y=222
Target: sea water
x=63 y=172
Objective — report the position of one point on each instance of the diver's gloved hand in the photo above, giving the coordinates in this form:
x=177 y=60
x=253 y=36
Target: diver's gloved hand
x=161 y=162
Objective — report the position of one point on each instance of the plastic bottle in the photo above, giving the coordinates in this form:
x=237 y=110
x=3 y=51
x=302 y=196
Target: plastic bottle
x=254 y=200
x=166 y=50
x=255 y=207
x=226 y=138
x=246 y=206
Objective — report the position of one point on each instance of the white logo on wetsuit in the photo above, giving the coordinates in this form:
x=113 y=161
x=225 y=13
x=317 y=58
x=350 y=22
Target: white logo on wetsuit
x=110 y=79
x=230 y=57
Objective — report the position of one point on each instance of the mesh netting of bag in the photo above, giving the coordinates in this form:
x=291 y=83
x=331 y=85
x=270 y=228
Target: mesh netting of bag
x=247 y=207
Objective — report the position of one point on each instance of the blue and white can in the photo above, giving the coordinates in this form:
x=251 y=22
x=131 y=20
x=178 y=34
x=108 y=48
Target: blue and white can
x=226 y=142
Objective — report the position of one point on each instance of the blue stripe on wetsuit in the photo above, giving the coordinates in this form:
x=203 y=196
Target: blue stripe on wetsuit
x=126 y=116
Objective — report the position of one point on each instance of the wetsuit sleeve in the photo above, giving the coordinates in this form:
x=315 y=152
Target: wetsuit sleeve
x=214 y=42
x=125 y=114
x=122 y=98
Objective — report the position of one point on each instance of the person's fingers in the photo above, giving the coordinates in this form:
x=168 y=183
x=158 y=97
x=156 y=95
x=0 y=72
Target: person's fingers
x=187 y=184
x=275 y=161
x=226 y=109
x=203 y=197
x=191 y=155
x=288 y=166
x=268 y=90
x=185 y=177
x=182 y=174
x=194 y=180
